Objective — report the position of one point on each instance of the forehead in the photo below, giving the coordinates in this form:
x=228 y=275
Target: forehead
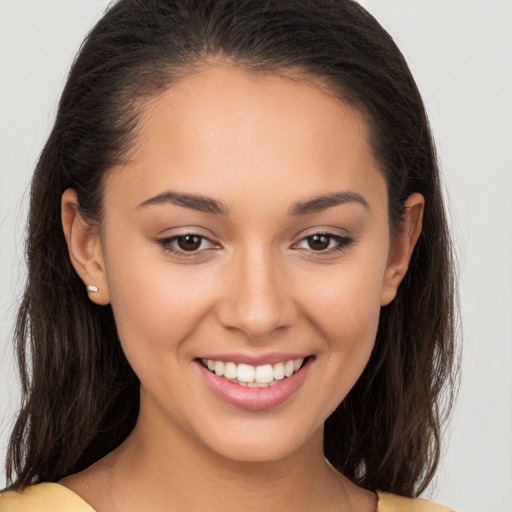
x=225 y=130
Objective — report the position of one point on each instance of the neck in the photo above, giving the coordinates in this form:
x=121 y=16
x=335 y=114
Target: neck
x=160 y=467
x=187 y=476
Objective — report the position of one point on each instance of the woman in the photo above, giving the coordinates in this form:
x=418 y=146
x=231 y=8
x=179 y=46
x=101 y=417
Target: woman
x=240 y=290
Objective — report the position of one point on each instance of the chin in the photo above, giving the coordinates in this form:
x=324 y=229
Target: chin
x=264 y=445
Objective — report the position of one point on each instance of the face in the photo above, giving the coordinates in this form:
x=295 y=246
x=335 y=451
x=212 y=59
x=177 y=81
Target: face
x=246 y=253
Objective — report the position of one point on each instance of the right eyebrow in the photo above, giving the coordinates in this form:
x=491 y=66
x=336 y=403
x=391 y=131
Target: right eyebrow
x=320 y=203
x=192 y=201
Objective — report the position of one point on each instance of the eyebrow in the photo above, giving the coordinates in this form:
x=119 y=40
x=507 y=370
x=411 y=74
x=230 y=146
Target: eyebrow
x=192 y=201
x=321 y=203
x=208 y=205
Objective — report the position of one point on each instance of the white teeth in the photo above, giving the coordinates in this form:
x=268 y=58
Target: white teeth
x=289 y=368
x=279 y=371
x=219 y=368
x=264 y=374
x=245 y=373
x=254 y=376
x=230 y=371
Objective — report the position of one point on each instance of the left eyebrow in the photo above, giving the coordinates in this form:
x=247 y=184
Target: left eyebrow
x=191 y=201
x=321 y=203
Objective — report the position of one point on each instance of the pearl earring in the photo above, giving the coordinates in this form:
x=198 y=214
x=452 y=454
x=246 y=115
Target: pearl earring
x=92 y=289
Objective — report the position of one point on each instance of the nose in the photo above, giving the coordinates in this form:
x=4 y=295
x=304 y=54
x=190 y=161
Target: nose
x=258 y=297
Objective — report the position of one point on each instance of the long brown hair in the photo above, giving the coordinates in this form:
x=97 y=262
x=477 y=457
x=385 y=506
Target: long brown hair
x=80 y=396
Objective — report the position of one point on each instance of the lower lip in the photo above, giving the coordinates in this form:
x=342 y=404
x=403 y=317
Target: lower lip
x=254 y=398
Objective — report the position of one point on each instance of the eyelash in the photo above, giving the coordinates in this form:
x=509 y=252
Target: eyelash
x=341 y=243
x=167 y=245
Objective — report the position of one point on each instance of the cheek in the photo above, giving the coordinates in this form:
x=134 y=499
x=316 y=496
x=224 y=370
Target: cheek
x=348 y=320
x=344 y=307
x=348 y=300
x=156 y=305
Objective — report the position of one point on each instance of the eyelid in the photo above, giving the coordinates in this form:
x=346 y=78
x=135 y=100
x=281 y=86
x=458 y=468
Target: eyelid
x=343 y=242
x=166 y=244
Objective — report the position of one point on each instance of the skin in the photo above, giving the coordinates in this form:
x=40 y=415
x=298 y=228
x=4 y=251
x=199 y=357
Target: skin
x=258 y=146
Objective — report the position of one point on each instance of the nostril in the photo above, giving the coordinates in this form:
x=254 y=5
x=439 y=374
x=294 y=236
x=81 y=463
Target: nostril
x=256 y=322
x=255 y=300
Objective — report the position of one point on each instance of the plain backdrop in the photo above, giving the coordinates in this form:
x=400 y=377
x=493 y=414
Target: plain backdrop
x=460 y=52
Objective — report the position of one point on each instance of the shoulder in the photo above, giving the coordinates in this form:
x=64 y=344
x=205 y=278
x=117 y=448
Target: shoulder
x=394 y=503
x=45 y=497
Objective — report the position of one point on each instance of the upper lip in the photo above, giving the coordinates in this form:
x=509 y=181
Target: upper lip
x=255 y=360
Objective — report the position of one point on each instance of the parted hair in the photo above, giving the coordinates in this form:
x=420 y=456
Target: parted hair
x=80 y=396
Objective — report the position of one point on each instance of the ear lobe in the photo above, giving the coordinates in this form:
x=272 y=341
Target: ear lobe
x=402 y=247
x=84 y=247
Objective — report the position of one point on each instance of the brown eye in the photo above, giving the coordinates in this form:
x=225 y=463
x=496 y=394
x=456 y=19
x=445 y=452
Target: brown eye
x=189 y=242
x=188 y=245
x=324 y=243
x=318 y=242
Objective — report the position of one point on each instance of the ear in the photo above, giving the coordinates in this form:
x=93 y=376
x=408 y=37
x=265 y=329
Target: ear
x=84 y=248
x=403 y=243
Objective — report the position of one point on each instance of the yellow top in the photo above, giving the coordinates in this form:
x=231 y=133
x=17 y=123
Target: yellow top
x=50 y=497
x=45 y=497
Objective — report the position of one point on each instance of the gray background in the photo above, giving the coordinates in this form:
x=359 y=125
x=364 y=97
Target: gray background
x=460 y=52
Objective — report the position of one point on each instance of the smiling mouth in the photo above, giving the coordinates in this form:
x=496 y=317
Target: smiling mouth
x=262 y=376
